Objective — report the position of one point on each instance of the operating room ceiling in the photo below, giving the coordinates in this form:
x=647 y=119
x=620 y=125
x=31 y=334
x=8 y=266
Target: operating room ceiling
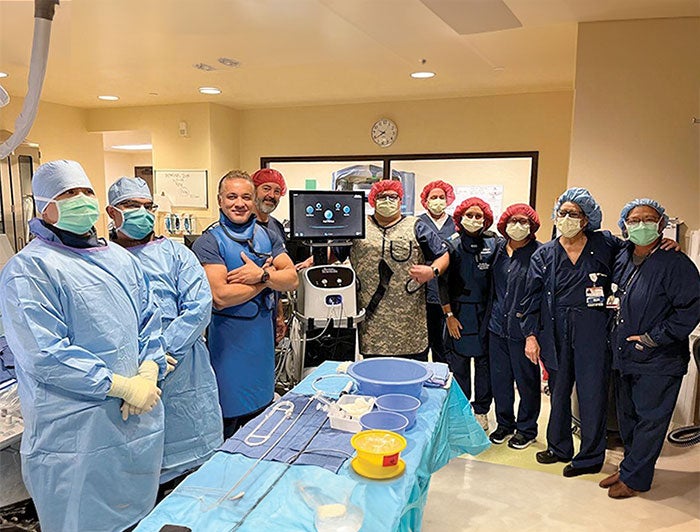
x=301 y=52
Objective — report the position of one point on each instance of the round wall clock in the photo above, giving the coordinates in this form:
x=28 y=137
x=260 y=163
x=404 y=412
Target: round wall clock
x=384 y=132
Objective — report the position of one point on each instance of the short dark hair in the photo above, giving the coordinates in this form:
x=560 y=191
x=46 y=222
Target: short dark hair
x=236 y=174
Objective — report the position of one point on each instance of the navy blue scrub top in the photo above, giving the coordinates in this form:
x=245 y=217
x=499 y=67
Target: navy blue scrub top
x=509 y=277
x=572 y=279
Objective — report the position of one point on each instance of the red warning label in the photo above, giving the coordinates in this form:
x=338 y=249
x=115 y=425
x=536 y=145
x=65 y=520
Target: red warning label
x=391 y=460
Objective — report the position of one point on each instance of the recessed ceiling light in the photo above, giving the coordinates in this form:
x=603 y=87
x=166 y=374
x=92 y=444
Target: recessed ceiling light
x=3 y=74
x=108 y=98
x=133 y=147
x=229 y=62
x=203 y=66
x=209 y=90
x=422 y=74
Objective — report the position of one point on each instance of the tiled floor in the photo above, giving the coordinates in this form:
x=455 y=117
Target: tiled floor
x=506 y=490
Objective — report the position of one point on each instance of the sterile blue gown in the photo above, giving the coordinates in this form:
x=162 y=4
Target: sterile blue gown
x=661 y=298
x=73 y=317
x=193 y=422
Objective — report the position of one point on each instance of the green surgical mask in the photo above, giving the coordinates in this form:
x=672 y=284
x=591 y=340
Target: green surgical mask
x=77 y=214
x=643 y=233
x=137 y=224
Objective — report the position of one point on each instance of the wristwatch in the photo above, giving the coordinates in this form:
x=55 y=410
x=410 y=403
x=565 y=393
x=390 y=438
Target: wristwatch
x=436 y=272
x=448 y=314
x=265 y=276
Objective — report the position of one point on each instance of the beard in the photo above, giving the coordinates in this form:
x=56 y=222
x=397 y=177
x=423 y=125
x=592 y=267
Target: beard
x=265 y=208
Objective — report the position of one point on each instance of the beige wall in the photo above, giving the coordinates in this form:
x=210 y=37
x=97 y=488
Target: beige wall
x=61 y=133
x=122 y=164
x=637 y=89
x=211 y=143
x=524 y=122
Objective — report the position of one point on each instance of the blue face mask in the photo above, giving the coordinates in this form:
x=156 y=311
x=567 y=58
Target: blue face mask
x=137 y=224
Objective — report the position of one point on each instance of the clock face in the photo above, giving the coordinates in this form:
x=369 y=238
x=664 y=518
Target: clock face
x=384 y=132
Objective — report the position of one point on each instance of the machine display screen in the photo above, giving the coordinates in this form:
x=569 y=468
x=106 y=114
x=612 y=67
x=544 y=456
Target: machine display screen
x=326 y=215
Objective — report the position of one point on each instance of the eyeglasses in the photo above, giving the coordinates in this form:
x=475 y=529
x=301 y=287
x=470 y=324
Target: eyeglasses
x=576 y=215
x=646 y=219
x=150 y=207
x=388 y=196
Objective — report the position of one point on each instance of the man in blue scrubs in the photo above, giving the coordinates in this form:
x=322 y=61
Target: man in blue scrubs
x=657 y=305
x=245 y=263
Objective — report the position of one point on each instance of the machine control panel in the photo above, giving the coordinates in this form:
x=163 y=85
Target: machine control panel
x=330 y=277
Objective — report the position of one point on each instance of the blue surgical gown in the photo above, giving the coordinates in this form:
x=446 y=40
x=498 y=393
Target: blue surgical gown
x=193 y=425
x=74 y=317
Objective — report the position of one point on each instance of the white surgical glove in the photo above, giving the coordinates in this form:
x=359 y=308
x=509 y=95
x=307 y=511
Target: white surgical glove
x=170 y=362
x=138 y=391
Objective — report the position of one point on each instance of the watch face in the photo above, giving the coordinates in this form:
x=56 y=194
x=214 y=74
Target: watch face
x=384 y=132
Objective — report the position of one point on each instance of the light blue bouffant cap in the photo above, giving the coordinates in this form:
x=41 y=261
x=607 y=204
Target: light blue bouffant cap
x=638 y=203
x=126 y=188
x=56 y=177
x=582 y=198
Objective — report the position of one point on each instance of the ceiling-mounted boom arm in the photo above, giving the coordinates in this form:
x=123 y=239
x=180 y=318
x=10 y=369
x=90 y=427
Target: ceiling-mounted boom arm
x=43 y=16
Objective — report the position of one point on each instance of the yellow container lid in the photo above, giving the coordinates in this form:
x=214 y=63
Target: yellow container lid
x=378 y=453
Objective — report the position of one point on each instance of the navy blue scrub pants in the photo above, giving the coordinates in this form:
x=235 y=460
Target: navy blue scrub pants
x=509 y=366
x=645 y=406
x=436 y=331
x=461 y=367
x=583 y=358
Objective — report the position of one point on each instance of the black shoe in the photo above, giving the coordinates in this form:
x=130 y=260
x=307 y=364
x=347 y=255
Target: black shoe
x=500 y=435
x=571 y=471
x=548 y=457
x=519 y=441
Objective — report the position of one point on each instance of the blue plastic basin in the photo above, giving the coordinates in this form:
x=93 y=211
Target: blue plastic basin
x=385 y=375
x=403 y=404
x=392 y=421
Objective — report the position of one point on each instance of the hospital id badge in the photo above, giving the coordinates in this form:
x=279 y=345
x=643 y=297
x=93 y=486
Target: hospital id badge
x=612 y=303
x=595 y=297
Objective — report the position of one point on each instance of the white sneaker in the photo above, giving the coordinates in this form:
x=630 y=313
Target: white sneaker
x=483 y=420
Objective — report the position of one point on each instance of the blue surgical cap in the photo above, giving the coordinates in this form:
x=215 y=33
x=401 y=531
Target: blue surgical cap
x=582 y=198
x=56 y=177
x=126 y=188
x=638 y=203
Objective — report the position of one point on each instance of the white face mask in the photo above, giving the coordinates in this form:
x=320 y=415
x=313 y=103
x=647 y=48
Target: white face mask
x=437 y=206
x=472 y=225
x=568 y=227
x=517 y=231
x=387 y=207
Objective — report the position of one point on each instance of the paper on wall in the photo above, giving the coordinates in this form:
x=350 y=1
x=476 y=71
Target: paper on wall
x=491 y=194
